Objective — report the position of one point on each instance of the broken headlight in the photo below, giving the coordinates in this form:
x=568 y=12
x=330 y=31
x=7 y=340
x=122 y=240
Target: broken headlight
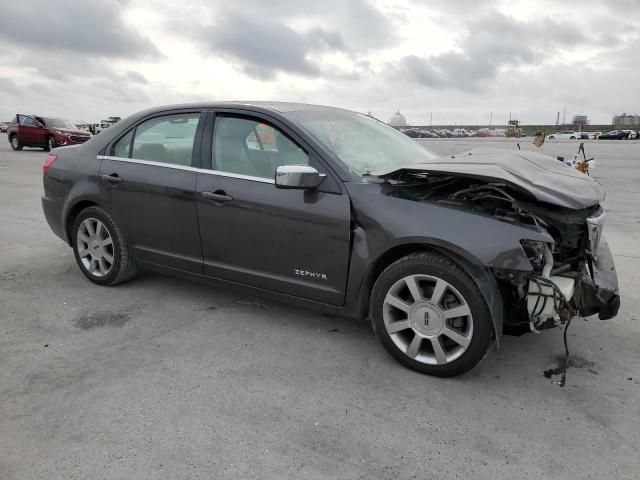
x=534 y=250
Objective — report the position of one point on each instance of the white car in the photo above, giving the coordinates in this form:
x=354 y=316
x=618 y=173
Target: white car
x=568 y=135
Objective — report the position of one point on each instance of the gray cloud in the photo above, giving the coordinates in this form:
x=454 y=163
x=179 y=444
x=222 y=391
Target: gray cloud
x=263 y=42
x=9 y=86
x=136 y=77
x=492 y=42
x=85 y=28
x=361 y=24
x=264 y=47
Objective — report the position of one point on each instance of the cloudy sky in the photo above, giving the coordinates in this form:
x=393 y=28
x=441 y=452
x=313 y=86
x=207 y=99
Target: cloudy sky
x=456 y=60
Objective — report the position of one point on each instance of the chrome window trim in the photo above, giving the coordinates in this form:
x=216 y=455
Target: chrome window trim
x=187 y=168
x=236 y=175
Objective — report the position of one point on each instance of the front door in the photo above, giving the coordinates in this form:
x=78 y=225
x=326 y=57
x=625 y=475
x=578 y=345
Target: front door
x=31 y=132
x=148 y=181
x=289 y=241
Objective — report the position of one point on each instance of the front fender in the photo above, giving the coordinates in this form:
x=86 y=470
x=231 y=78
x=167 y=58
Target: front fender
x=388 y=222
x=389 y=227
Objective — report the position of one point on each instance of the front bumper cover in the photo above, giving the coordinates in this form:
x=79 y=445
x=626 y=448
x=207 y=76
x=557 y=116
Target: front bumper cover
x=598 y=292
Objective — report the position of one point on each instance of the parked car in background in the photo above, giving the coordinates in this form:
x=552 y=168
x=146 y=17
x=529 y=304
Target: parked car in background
x=43 y=132
x=615 y=135
x=411 y=133
x=632 y=134
x=590 y=135
x=3 y=127
x=561 y=135
x=340 y=212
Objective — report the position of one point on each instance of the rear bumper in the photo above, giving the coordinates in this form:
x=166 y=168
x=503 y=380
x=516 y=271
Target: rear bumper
x=53 y=213
x=598 y=292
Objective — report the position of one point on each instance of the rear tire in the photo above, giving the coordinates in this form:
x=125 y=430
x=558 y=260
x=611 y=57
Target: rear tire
x=15 y=142
x=100 y=248
x=429 y=314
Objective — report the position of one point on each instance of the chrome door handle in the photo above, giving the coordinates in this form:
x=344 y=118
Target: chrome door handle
x=113 y=178
x=217 y=196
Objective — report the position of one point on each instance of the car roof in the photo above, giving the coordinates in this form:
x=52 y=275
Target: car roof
x=280 y=107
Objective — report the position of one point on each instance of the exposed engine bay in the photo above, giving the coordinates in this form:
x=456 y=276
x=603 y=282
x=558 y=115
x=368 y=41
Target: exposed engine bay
x=562 y=283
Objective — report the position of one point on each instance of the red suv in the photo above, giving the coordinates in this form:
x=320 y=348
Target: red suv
x=44 y=132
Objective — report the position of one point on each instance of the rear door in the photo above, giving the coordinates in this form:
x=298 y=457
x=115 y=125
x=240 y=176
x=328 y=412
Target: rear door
x=148 y=181
x=289 y=241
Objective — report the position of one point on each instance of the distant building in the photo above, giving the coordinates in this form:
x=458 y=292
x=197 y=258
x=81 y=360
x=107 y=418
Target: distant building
x=398 y=120
x=580 y=120
x=624 y=120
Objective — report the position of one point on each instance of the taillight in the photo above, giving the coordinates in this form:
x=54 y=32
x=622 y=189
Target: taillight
x=48 y=161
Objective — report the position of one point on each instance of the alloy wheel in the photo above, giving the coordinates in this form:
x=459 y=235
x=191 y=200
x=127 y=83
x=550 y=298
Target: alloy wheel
x=15 y=143
x=428 y=319
x=95 y=247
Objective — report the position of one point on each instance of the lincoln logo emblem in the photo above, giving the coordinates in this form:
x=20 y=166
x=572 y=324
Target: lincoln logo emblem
x=426 y=319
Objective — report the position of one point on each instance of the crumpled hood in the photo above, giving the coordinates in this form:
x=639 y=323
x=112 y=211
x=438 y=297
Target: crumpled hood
x=546 y=178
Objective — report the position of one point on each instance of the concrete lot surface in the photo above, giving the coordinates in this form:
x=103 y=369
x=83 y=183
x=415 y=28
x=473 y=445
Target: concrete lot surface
x=163 y=378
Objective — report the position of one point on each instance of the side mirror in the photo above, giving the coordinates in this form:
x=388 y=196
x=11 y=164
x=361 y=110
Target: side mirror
x=298 y=176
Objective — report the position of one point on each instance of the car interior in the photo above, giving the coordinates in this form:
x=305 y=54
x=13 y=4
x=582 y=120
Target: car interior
x=247 y=147
x=241 y=146
x=166 y=139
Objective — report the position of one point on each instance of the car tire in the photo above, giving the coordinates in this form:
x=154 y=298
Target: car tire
x=551 y=137
x=426 y=335
x=572 y=138
x=15 y=142
x=51 y=143
x=100 y=247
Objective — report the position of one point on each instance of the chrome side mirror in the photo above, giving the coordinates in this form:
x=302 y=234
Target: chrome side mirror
x=298 y=176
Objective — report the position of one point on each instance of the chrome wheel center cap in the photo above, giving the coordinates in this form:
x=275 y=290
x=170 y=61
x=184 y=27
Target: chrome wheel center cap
x=95 y=248
x=426 y=319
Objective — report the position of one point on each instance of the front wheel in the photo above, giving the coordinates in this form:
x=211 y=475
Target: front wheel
x=429 y=314
x=100 y=248
x=51 y=144
x=15 y=142
x=551 y=137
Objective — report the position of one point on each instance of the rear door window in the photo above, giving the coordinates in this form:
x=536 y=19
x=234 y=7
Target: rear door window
x=167 y=139
x=123 y=147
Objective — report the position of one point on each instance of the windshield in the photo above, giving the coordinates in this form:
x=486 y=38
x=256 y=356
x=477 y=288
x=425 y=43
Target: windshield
x=364 y=145
x=60 y=123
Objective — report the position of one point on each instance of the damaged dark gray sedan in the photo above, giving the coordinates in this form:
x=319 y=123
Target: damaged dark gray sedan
x=337 y=211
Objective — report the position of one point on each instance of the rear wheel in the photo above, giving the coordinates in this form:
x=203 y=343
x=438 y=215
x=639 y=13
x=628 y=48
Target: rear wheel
x=15 y=142
x=429 y=314
x=572 y=138
x=551 y=137
x=100 y=248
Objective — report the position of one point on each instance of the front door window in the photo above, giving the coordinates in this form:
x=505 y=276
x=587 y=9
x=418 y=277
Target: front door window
x=253 y=148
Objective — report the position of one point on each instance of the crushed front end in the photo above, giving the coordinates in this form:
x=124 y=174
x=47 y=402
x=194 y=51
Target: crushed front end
x=572 y=276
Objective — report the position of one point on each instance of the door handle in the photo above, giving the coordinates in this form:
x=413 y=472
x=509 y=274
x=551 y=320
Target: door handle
x=113 y=178
x=217 y=196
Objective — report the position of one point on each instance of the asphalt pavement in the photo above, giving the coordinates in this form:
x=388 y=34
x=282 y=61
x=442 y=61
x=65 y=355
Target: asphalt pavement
x=166 y=378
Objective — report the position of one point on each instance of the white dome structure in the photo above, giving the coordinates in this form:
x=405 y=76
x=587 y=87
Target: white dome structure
x=398 y=120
